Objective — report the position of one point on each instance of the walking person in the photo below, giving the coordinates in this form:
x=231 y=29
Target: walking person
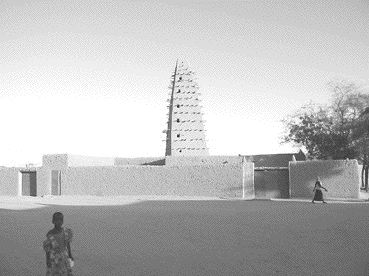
x=59 y=260
x=318 y=194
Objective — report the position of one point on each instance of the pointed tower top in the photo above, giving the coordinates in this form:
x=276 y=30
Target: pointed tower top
x=185 y=130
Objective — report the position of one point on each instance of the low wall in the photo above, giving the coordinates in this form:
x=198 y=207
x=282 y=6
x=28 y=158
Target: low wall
x=271 y=183
x=275 y=160
x=44 y=181
x=360 y=167
x=340 y=177
x=266 y=160
x=202 y=160
x=9 y=181
x=49 y=162
x=218 y=181
x=61 y=162
x=144 y=161
x=89 y=161
x=58 y=161
x=248 y=180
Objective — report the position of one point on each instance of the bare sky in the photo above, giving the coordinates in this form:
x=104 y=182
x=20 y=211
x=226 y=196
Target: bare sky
x=91 y=77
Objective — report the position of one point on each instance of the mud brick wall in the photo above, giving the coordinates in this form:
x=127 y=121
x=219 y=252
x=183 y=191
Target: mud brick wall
x=202 y=160
x=9 y=181
x=218 y=181
x=340 y=177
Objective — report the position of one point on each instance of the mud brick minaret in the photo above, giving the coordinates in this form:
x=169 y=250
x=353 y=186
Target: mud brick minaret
x=185 y=134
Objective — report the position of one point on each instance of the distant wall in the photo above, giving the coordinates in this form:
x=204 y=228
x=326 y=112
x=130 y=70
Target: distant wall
x=57 y=161
x=144 y=161
x=267 y=160
x=89 y=161
x=220 y=181
x=9 y=181
x=275 y=160
x=360 y=167
x=202 y=160
x=271 y=183
x=44 y=181
x=49 y=162
x=340 y=177
x=248 y=180
x=61 y=162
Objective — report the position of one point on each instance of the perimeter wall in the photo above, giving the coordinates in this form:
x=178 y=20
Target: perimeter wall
x=220 y=176
x=143 y=161
x=49 y=162
x=9 y=181
x=218 y=181
x=340 y=177
x=202 y=160
x=362 y=185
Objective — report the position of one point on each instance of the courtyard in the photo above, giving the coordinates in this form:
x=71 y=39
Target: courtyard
x=191 y=237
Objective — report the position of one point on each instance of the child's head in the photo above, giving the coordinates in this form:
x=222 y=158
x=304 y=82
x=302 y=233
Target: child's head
x=58 y=219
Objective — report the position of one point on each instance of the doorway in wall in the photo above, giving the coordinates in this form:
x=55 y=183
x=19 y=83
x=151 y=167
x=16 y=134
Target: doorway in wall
x=271 y=182
x=56 y=182
x=29 y=183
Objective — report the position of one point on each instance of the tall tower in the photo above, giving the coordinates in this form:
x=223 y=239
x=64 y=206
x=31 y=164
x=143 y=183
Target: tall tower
x=185 y=131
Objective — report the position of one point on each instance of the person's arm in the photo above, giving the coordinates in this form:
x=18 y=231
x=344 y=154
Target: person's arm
x=48 y=263
x=68 y=238
x=69 y=251
x=46 y=246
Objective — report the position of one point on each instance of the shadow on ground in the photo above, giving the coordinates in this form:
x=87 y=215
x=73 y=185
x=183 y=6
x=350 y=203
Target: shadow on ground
x=194 y=238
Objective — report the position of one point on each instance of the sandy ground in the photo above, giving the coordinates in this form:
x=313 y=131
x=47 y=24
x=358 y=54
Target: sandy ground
x=189 y=236
x=28 y=202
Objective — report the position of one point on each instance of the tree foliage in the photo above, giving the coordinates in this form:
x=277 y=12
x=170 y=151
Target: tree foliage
x=332 y=131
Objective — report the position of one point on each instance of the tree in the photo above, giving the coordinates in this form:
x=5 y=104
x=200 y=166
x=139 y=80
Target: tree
x=326 y=131
x=314 y=128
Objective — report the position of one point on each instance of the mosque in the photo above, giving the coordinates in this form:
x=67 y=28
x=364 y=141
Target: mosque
x=186 y=169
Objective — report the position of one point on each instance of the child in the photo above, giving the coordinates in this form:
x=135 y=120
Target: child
x=318 y=191
x=59 y=258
